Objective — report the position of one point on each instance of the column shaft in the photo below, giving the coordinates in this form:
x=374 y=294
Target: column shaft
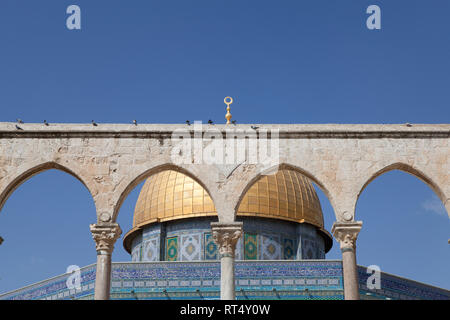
x=227 y=290
x=105 y=235
x=103 y=277
x=346 y=233
x=226 y=237
x=350 y=274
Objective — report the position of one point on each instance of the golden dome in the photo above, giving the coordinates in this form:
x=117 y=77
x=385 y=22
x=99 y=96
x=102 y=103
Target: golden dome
x=170 y=195
x=285 y=195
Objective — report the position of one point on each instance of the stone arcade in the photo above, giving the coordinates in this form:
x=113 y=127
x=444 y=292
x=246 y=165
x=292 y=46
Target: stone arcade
x=111 y=159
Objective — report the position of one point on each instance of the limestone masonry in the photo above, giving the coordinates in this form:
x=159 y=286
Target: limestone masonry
x=111 y=159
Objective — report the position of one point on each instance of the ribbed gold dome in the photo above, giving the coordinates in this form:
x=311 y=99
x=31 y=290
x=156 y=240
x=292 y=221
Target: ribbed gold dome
x=285 y=195
x=171 y=195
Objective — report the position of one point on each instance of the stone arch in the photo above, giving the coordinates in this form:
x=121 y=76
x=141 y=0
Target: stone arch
x=29 y=170
x=274 y=169
x=125 y=191
x=412 y=171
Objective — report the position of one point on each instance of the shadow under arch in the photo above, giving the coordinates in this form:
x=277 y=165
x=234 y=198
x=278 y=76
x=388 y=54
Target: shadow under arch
x=146 y=174
x=410 y=170
x=286 y=166
x=30 y=172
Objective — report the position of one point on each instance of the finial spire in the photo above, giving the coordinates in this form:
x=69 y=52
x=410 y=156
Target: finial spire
x=228 y=101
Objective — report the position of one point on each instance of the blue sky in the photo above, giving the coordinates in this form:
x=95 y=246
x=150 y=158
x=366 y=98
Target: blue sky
x=169 y=61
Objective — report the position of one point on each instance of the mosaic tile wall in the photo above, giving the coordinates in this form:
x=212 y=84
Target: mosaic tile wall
x=306 y=279
x=310 y=247
x=264 y=239
x=255 y=279
x=210 y=247
x=397 y=288
x=56 y=288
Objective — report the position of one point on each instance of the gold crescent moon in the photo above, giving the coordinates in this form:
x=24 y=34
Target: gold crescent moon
x=230 y=100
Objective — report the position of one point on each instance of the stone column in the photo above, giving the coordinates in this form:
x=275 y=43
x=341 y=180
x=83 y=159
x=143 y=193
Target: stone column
x=226 y=236
x=346 y=233
x=105 y=235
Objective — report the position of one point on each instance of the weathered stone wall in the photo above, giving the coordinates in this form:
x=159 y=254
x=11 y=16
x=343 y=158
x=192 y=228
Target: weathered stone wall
x=111 y=159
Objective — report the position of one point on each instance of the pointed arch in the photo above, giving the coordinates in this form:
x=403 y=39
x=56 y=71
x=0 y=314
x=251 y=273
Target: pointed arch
x=286 y=166
x=412 y=171
x=146 y=174
x=28 y=171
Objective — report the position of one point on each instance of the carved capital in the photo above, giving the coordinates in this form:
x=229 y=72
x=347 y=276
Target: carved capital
x=346 y=233
x=226 y=235
x=105 y=236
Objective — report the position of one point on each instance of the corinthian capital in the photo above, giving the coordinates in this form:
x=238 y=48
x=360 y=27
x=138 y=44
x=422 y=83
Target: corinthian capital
x=226 y=235
x=105 y=236
x=346 y=233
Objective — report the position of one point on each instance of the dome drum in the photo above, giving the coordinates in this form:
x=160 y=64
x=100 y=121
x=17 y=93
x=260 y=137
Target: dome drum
x=263 y=239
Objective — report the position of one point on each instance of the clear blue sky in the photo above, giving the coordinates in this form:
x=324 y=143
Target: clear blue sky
x=167 y=61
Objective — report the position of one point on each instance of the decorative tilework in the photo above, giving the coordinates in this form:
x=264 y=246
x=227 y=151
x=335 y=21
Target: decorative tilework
x=136 y=253
x=190 y=247
x=270 y=247
x=210 y=247
x=147 y=280
x=250 y=246
x=288 y=249
x=150 y=250
x=309 y=248
x=261 y=228
x=57 y=286
x=395 y=287
x=172 y=249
